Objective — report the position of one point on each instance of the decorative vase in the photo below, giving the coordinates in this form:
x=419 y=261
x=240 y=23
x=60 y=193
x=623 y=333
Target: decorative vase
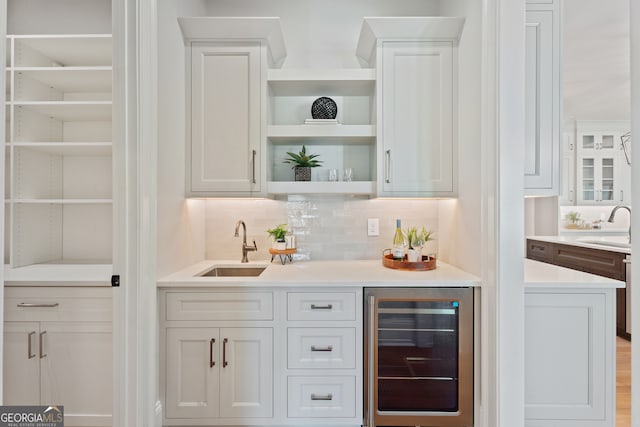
x=279 y=245
x=324 y=108
x=302 y=173
x=414 y=255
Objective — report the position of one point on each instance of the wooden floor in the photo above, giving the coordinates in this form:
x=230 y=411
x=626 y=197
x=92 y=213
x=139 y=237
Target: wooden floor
x=623 y=383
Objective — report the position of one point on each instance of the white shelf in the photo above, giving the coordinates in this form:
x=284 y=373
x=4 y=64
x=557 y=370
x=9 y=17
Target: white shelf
x=70 y=79
x=237 y=28
x=85 y=272
x=70 y=111
x=321 y=187
x=327 y=82
x=63 y=201
x=352 y=133
x=63 y=50
x=69 y=148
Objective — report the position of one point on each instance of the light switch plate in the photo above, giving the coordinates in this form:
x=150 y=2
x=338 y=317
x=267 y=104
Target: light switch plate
x=373 y=227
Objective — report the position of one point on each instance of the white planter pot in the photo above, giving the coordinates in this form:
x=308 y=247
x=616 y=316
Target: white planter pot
x=280 y=246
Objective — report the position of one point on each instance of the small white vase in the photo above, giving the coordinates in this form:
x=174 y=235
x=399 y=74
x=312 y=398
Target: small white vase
x=280 y=246
x=414 y=255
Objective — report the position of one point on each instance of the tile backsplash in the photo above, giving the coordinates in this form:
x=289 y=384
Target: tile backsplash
x=326 y=227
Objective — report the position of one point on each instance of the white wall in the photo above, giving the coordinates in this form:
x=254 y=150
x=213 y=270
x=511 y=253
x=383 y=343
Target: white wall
x=180 y=221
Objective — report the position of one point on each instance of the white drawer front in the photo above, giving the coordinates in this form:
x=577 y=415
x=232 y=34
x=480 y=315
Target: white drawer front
x=321 y=348
x=321 y=306
x=317 y=397
x=37 y=304
x=219 y=306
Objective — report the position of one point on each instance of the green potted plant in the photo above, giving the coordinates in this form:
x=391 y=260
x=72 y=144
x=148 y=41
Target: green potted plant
x=278 y=233
x=416 y=240
x=573 y=218
x=302 y=164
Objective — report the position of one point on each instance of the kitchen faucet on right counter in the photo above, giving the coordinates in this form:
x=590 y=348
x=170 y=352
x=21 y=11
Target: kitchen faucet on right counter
x=613 y=214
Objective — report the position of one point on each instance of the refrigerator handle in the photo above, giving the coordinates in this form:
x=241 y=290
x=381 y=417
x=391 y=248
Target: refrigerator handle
x=371 y=343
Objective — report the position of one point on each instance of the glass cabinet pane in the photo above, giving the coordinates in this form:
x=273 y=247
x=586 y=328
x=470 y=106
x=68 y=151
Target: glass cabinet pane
x=607 y=181
x=588 y=141
x=588 y=177
x=607 y=141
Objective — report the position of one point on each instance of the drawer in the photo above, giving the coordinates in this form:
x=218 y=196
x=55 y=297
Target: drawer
x=311 y=348
x=39 y=304
x=540 y=251
x=219 y=306
x=321 y=397
x=595 y=261
x=321 y=306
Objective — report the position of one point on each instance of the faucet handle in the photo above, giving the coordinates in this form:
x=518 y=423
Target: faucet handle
x=255 y=246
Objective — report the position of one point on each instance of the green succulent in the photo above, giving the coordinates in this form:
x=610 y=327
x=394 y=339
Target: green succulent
x=278 y=232
x=302 y=159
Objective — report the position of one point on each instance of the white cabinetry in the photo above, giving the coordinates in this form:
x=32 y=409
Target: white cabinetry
x=543 y=98
x=218 y=352
x=416 y=63
x=226 y=89
x=569 y=357
x=59 y=154
x=568 y=181
x=324 y=362
x=349 y=144
x=601 y=167
x=57 y=350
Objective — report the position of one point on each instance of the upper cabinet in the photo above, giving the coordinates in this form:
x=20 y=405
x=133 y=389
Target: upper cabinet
x=227 y=98
x=60 y=153
x=416 y=64
x=542 y=98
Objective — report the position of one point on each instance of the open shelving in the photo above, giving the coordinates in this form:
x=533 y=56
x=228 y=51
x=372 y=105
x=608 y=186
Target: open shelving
x=349 y=144
x=58 y=197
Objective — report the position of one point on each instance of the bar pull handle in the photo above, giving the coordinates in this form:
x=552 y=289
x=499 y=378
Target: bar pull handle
x=626 y=261
x=327 y=348
x=622 y=195
x=387 y=166
x=327 y=396
x=321 y=307
x=571 y=196
x=32 y=305
x=211 y=362
x=42 y=354
x=29 y=348
x=224 y=353
x=253 y=166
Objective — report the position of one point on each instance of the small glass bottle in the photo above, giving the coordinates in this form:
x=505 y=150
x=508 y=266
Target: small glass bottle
x=398 y=243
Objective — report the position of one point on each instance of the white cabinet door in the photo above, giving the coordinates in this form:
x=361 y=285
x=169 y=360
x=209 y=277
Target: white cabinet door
x=569 y=358
x=76 y=367
x=542 y=101
x=246 y=373
x=226 y=122
x=192 y=374
x=418 y=152
x=598 y=168
x=21 y=363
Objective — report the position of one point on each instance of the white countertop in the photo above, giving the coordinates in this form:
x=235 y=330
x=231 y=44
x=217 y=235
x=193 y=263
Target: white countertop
x=542 y=275
x=606 y=243
x=315 y=273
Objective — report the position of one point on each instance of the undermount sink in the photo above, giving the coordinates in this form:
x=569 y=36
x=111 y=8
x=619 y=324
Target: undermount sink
x=614 y=241
x=234 y=271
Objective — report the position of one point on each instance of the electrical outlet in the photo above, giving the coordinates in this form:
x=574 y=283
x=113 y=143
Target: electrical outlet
x=373 y=227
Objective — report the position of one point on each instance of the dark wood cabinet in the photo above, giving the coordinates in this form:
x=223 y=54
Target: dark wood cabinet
x=590 y=260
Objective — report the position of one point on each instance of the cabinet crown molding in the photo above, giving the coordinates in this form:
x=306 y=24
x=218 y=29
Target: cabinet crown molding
x=198 y=28
x=405 y=28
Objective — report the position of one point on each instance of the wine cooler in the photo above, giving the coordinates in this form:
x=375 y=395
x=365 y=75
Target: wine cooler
x=419 y=364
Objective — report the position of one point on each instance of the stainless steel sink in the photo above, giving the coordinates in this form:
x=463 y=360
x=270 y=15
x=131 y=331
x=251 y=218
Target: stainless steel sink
x=235 y=271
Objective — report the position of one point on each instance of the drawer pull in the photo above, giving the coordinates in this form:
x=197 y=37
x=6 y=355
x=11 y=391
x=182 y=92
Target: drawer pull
x=224 y=353
x=321 y=307
x=327 y=396
x=29 y=336
x=32 y=304
x=327 y=348
x=626 y=261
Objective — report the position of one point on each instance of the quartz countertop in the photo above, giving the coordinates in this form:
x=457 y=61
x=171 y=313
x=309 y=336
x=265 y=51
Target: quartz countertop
x=542 y=275
x=315 y=273
x=606 y=243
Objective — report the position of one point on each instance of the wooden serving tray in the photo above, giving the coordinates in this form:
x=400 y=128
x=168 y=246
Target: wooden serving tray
x=427 y=263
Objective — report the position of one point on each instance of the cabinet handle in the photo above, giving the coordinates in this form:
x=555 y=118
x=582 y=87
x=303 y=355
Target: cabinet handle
x=224 y=353
x=42 y=354
x=626 y=261
x=321 y=307
x=29 y=336
x=327 y=348
x=387 y=166
x=622 y=195
x=211 y=362
x=31 y=304
x=253 y=166
x=571 y=196
x=327 y=396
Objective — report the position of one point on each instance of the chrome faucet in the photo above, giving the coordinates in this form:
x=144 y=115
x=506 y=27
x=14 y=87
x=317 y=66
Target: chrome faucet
x=245 y=248
x=613 y=214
